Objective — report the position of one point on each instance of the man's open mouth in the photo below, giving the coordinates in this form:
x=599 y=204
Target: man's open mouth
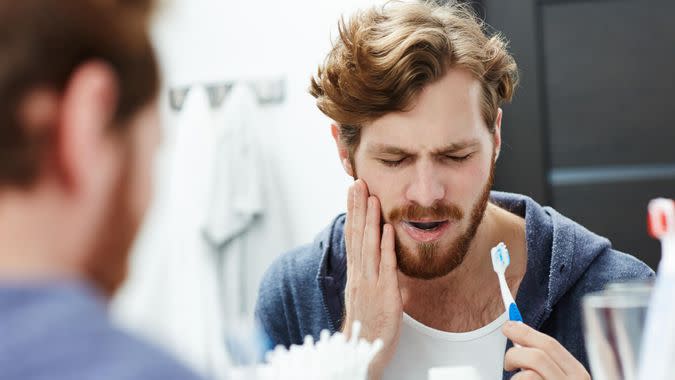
x=427 y=226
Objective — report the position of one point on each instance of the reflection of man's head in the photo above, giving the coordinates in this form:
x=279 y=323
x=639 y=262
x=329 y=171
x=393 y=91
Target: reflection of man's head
x=415 y=90
x=78 y=79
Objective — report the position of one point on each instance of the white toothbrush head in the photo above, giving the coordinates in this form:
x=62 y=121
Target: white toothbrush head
x=500 y=258
x=500 y=261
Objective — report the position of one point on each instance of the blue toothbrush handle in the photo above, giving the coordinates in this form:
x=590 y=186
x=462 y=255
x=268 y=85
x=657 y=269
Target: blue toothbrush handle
x=514 y=313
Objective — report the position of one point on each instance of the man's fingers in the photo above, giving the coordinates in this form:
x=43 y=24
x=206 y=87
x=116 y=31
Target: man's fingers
x=348 y=222
x=388 y=265
x=370 y=257
x=358 y=221
x=528 y=337
x=532 y=359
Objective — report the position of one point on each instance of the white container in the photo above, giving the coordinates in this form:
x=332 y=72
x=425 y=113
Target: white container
x=658 y=344
x=453 y=373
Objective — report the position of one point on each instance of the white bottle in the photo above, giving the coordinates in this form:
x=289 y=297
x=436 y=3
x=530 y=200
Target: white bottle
x=657 y=358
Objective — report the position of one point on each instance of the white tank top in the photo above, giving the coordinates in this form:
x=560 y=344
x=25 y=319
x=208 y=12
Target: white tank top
x=422 y=347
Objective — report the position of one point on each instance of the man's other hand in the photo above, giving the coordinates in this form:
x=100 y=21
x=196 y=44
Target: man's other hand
x=539 y=356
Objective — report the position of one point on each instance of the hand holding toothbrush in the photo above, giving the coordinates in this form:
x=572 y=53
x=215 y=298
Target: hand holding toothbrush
x=537 y=355
x=372 y=294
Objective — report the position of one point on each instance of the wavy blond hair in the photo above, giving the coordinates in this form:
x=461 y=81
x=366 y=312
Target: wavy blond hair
x=386 y=54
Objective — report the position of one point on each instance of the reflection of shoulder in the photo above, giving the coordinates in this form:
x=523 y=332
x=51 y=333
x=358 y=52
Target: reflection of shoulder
x=289 y=286
x=300 y=266
x=296 y=267
x=291 y=275
x=616 y=266
x=293 y=278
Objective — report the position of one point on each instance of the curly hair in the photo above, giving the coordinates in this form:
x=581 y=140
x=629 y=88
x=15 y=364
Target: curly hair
x=386 y=54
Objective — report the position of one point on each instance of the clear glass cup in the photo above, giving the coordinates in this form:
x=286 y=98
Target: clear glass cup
x=614 y=322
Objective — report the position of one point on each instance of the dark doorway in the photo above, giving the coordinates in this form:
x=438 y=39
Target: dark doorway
x=590 y=129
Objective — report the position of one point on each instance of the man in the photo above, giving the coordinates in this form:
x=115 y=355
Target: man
x=78 y=131
x=415 y=92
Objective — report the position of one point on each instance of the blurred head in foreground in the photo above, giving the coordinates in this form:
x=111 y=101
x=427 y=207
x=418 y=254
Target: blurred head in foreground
x=78 y=132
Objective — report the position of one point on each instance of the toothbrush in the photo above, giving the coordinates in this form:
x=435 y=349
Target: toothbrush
x=500 y=261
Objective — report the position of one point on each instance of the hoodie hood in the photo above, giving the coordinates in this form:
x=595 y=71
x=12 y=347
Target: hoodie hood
x=559 y=251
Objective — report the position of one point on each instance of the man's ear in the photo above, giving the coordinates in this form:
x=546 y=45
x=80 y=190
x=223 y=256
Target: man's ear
x=343 y=152
x=498 y=133
x=88 y=107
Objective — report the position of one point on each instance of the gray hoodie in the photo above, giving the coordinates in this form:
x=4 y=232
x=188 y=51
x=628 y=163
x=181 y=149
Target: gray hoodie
x=303 y=291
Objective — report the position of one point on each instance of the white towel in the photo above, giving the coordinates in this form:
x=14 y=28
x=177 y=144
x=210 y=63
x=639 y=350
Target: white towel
x=217 y=222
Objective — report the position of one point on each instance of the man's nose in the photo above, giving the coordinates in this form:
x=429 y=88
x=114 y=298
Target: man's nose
x=426 y=187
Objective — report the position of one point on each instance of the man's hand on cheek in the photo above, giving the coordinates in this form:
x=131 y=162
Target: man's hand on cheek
x=372 y=294
x=540 y=356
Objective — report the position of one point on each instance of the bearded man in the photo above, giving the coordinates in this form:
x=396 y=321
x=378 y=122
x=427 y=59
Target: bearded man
x=415 y=90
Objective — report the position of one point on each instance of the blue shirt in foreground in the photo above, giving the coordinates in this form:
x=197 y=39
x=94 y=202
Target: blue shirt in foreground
x=303 y=292
x=61 y=331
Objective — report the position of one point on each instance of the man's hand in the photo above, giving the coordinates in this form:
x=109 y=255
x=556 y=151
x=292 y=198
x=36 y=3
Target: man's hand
x=372 y=295
x=540 y=356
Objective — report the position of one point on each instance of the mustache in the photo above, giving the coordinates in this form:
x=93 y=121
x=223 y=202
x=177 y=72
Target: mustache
x=437 y=211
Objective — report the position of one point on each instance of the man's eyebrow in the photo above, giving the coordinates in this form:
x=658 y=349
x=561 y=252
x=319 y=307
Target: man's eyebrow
x=455 y=147
x=388 y=149
x=398 y=151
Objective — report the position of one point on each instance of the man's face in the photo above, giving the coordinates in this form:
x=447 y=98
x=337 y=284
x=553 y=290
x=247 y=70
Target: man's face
x=432 y=170
x=129 y=200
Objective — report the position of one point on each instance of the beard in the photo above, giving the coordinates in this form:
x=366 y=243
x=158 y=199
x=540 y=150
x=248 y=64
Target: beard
x=428 y=260
x=107 y=265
